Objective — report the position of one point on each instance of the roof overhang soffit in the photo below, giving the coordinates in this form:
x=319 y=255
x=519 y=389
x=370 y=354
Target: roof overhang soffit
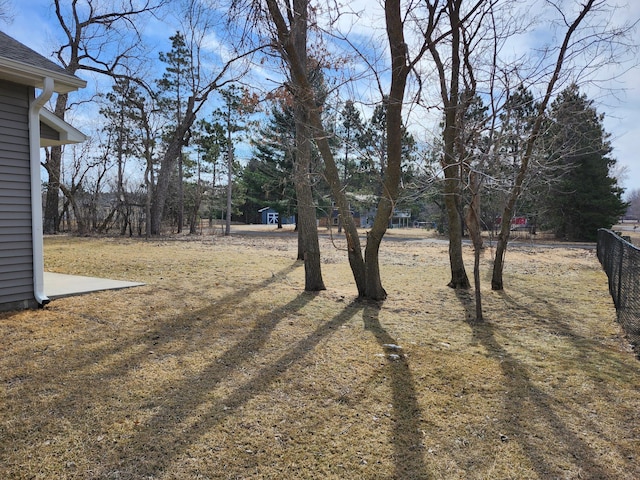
x=67 y=133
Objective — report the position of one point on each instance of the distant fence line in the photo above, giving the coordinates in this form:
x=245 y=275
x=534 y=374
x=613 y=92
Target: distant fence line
x=621 y=262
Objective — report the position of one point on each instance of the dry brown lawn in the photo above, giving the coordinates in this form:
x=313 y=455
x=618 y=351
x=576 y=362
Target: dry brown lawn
x=221 y=367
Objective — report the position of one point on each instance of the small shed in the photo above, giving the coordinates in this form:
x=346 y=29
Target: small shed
x=269 y=216
x=27 y=82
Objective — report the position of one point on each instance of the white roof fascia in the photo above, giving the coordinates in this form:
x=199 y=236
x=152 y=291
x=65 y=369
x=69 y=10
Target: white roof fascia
x=25 y=74
x=68 y=133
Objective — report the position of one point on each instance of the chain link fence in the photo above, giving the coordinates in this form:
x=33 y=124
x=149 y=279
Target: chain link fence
x=621 y=262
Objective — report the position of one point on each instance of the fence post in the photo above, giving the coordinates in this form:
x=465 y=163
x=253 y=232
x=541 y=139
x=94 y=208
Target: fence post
x=620 y=273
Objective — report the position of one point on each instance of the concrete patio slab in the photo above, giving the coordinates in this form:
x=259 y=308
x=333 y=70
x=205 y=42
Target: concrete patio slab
x=59 y=285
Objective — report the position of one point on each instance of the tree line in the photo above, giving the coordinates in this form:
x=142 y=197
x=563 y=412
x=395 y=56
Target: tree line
x=508 y=135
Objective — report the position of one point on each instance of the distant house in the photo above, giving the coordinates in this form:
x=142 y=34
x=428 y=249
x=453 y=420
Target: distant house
x=400 y=219
x=27 y=82
x=333 y=219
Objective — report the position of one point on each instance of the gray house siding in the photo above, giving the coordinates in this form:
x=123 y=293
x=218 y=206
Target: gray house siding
x=16 y=255
x=49 y=133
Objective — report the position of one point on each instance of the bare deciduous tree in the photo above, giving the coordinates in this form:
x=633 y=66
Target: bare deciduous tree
x=634 y=204
x=452 y=32
x=365 y=268
x=6 y=11
x=579 y=38
x=99 y=37
x=202 y=81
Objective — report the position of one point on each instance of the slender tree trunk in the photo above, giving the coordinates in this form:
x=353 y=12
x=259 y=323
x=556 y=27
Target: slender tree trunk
x=148 y=180
x=227 y=229
x=452 y=200
x=120 y=202
x=393 y=168
x=193 y=220
x=307 y=228
x=299 y=76
x=51 y=218
x=104 y=225
x=497 y=282
x=70 y=195
x=472 y=218
x=366 y=270
x=180 y=218
x=53 y=165
x=453 y=167
x=332 y=175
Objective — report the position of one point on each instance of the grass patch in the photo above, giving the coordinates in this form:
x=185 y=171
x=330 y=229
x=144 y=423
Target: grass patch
x=221 y=367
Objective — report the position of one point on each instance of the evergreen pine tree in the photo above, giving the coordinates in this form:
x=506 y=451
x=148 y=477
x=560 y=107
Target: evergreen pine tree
x=268 y=176
x=586 y=197
x=349 y=131
x=173 y=94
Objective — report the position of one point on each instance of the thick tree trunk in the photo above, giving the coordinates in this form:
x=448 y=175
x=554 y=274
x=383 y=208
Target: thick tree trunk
x=300 y=239
x=167 y=168
x=308 y=237
x=307 y=228
x=373 y=283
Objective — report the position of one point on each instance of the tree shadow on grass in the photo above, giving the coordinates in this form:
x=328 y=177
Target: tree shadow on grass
x=587 y=350
x=187 y=326
x=168 y=433
x=74 y=386
x=530 y=417
x=407 y=436
x=597 y=362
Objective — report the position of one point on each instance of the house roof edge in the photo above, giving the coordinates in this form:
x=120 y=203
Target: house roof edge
x=26 y=74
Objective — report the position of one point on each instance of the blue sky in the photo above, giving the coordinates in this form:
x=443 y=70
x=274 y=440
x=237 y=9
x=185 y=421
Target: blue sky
x=34 y=24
